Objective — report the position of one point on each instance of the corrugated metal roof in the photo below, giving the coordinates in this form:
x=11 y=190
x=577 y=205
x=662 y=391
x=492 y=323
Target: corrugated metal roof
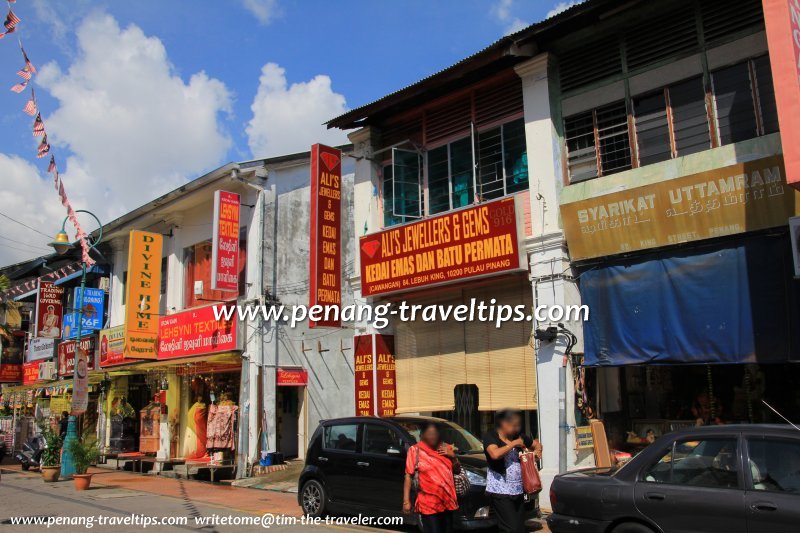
x=359 y=113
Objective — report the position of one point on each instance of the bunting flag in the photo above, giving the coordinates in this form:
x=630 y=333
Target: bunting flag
x=30 y=108
x=44 y=148
x=38 y=126
x=11 y=21
x=28 y=65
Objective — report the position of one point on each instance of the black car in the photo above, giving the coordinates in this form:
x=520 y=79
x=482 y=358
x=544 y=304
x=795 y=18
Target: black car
x=357 y=465
x=727 y=479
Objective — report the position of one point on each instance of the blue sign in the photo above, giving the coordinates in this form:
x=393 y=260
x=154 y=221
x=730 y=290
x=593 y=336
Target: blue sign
x=93 y=309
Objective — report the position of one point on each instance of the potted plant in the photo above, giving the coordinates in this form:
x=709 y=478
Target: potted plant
x=84 y=454
x=51 y=455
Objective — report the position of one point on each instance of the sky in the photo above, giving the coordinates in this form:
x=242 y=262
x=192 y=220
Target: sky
x=141 y=97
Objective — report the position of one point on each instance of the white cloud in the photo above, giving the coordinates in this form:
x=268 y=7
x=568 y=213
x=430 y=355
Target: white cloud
x=503 y=12
x=264 y=10
x=29 y=198
x=134 y=127
x=288 y=118
x=562 y=6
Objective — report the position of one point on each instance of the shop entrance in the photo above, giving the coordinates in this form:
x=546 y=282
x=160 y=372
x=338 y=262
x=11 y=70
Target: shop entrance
x=291 y=421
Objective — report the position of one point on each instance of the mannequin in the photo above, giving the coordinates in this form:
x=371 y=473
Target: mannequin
x=194 y=444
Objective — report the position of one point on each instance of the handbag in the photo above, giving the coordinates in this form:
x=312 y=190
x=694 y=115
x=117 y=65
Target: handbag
x=531 y=482
x=461 y=482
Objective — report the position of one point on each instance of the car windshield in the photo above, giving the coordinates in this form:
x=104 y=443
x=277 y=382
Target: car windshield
x=462 y=440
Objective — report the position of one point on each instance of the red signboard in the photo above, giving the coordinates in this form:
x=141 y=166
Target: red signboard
x=479 y=241
x=196 y=332
x=782 y=19
x=30 y=372
x=10 y=373
x=49 y=310
x=385 y=378
x=225 y=242
x=66 y=355
x=292 y=377
x=364 y=375
x=325 y=245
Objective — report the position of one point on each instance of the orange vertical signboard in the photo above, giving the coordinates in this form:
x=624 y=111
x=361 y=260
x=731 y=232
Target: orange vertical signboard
x=142 y=290
x=782 y=18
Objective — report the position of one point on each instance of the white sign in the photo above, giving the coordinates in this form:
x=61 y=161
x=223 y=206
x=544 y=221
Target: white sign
x=40 y=348
x=794 y=235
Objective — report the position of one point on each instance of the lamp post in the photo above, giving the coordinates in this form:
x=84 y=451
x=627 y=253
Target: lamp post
x=62 y=245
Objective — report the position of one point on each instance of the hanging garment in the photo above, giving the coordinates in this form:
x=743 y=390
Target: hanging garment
x=194 y=444
x=221 y=421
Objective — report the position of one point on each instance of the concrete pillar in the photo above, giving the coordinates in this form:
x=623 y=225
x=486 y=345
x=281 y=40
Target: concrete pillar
x=549 y=267
x=175 y=269
x=116 y=311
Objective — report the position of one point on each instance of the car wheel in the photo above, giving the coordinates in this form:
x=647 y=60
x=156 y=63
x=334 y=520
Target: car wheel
x=631 y=527
x=26 y=466
x=313 y=498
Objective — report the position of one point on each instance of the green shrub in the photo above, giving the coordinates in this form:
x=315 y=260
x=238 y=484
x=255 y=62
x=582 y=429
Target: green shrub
x=84 y=453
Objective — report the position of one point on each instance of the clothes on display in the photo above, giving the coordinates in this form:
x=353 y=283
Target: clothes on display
x=221 y=423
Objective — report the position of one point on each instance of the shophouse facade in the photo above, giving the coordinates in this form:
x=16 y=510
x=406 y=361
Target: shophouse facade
x=588 y=121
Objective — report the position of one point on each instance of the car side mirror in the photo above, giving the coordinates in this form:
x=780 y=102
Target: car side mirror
x=391 y=450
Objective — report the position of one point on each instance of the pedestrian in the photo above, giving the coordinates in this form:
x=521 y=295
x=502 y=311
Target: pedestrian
x=63 y=424
x=433 y=463
x=504 y=477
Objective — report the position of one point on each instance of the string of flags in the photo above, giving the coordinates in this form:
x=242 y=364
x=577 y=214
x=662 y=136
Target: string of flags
x=43 y=149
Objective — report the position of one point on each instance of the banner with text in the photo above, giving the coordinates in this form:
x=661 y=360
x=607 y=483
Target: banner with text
x=93 y=303
x=66 y=356
x=474 y=242
x=40 y=348
x=782 y=21
x=196 y=332
x=112 y=347
x=734 y=199
x=375 y=379
x=49 y=310
x=326 y=241
x=225 y=242
x=364 y=375
x=143 y=288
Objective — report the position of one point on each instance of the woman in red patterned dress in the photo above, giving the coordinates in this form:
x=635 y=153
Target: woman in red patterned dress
x=435 y=462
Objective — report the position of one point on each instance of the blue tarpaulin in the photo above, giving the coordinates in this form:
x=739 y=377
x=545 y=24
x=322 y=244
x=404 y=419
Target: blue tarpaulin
x=734 y=303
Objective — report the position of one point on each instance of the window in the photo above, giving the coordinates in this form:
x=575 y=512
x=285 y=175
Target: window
x=775 y=464
x=502 y=160
x=744 y=99
x=341 y=437
x=450 y=176
x=378 y=439
x=197 y=261
x=402 y=187
x=707 y=463
x=672 y=122
x=598 y=137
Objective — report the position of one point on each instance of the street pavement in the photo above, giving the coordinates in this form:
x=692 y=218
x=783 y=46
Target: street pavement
x=124 y=502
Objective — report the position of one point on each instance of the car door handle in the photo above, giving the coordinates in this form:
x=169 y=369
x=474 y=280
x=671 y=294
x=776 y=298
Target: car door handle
x=362 y=464
x=764 y=506
x=655 y=496
x=322 y=459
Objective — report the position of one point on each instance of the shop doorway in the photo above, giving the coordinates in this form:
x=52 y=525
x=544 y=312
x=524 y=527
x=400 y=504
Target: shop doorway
x=291 y=422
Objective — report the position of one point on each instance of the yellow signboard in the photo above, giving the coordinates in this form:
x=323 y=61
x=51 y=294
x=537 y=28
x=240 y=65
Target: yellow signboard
x=142 y=290
x=583 y=437
x=743 y=197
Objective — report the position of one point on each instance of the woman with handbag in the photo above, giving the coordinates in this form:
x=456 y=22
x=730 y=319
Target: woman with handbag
x=430 y=468
x=504 y=483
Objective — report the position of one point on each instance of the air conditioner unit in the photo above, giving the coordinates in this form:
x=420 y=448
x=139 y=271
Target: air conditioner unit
x=47 y=371
x=198 y=288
